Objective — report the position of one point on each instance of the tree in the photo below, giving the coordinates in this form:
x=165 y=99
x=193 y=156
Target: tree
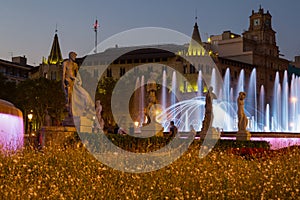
x=104 y=92
x=8 y=89
x=41 y=94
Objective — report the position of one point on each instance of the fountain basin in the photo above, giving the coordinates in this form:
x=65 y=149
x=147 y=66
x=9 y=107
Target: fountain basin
x=11 y=126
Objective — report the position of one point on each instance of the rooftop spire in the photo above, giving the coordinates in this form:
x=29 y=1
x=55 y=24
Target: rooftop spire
x=196 y=35
x=195 y=47
x=55 y=53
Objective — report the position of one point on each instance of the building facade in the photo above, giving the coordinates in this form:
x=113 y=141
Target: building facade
x=16 y=70
x=257 y=47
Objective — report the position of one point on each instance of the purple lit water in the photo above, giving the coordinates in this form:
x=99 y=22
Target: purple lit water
x=11 y=132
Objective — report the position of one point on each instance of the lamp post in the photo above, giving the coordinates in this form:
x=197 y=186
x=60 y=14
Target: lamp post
x=30 y=116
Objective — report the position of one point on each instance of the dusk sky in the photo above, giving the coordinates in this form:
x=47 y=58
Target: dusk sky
x=28 y=27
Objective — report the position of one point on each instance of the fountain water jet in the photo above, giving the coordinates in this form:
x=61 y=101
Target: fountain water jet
x=142 y=101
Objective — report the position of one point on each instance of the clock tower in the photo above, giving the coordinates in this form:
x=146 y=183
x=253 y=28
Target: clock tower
x=261 y=33
x=260 y=39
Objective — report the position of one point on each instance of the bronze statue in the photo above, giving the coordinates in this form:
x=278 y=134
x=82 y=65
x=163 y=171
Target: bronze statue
x=242 y=118
x=70 y=69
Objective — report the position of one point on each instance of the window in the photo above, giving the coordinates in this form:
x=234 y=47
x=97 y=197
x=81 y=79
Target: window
x=2 y=70
x=164 y=59
x=268 y=23
x=122 y=71
x=192 y=69
x=108 y=73
x=184 y=69
x=53 y=76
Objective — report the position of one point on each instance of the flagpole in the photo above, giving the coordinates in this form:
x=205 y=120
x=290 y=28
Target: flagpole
x=96 y=31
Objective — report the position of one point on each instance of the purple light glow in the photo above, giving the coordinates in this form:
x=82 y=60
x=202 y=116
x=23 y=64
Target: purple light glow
x=11 y=132
x=276 y=143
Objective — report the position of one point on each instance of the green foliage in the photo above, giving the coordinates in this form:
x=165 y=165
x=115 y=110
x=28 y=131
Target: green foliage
x=104 y=91
x=39 y=95
x=8 y=89
x=136 y=144
x=225 y=144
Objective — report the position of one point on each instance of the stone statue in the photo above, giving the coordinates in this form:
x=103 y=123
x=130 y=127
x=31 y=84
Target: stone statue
x=151 y=89
x=70 y=69
x=47 y=119
x=151 y=126
x=82 y=103
x=208 y=116
x=242 y=118
x=98 y=114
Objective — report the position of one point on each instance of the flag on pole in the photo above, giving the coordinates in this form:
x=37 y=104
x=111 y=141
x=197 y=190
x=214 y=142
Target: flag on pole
x=96 y=25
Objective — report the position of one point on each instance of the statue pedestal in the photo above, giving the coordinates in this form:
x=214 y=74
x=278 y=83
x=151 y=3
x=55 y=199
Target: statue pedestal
x=85 y=124
x=243 y=135
x=68 y=121
x=56 y=135
x=212 y=133
x=150 y=130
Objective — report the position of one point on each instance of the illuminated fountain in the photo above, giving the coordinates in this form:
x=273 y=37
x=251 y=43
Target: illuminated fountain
x=11 y=128
x=280 y=115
